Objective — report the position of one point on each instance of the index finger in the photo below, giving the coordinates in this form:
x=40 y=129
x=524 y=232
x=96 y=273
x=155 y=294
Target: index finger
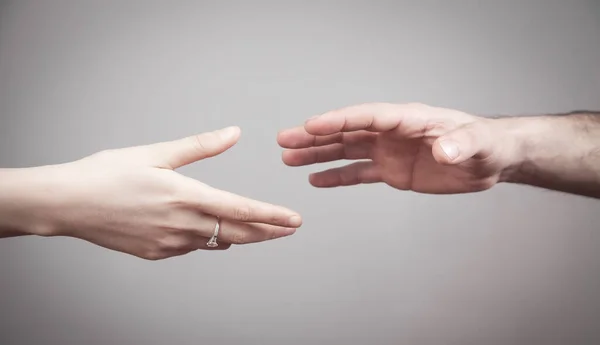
x=231 y=206
x=374 y=117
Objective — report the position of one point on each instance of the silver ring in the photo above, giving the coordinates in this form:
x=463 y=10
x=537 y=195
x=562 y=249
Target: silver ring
x=212 y=242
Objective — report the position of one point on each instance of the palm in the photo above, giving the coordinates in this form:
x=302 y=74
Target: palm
x=408 y=164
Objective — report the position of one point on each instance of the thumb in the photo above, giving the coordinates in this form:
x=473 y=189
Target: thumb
x=177 y=153
x=468 y=141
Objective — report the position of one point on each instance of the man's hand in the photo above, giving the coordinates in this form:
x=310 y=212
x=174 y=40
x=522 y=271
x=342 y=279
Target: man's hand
x=435 y=150
x=131 y=200
x=409 y=147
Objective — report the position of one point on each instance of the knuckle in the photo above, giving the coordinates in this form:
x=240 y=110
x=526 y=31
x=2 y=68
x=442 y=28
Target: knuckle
x=417 y=110
x=175 y=193
x=239 y=237
x=169 y=243
x=175 y=197
x=272 y=234
x=475 y=130
x=277 y=219
x=104 y=154
x=200 y=142
x=242 y=213
x=437 y=127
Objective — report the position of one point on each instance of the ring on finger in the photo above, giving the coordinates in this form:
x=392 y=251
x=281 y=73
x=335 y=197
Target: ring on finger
x=212 y=242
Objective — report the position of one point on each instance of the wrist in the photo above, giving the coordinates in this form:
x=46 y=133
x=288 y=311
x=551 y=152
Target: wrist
x=520 y=137
x=28 y=201
x=546 y=145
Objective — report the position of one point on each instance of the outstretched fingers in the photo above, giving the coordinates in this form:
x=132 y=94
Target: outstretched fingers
x=234 y=207
x=298 y=138
x=372 y=117
x=329 y=153
x=352 y=174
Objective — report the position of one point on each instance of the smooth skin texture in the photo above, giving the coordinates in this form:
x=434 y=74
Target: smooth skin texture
x=436 y=150
x=131 y=200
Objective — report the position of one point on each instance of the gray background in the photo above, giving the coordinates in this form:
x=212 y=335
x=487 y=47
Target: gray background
x=514 y=265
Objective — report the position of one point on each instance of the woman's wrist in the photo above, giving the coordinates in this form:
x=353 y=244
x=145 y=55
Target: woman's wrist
x=28 y=201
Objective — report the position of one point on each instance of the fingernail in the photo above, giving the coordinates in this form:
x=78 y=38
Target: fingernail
x=313 y=118
x=295 y=221
x=450 y=149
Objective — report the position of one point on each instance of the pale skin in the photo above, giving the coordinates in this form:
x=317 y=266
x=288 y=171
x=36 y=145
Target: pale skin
x=131 y=200
x=435 y=150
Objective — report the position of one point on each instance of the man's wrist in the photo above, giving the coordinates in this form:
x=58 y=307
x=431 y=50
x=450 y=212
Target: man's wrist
x=547 y=145
x=515 y=135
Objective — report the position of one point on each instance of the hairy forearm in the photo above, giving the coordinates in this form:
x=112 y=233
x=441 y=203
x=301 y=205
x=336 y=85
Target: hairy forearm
x=558 y=152
x=25 y=199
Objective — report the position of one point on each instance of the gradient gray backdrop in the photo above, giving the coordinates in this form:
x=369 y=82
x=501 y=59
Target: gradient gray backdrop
x=371 y=265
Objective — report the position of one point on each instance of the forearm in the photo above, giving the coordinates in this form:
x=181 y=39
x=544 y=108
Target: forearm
x=558 y=152
x=25 y=199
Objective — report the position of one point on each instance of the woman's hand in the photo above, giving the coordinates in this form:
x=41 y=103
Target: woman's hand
x=408 y=146
x=131 y=200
